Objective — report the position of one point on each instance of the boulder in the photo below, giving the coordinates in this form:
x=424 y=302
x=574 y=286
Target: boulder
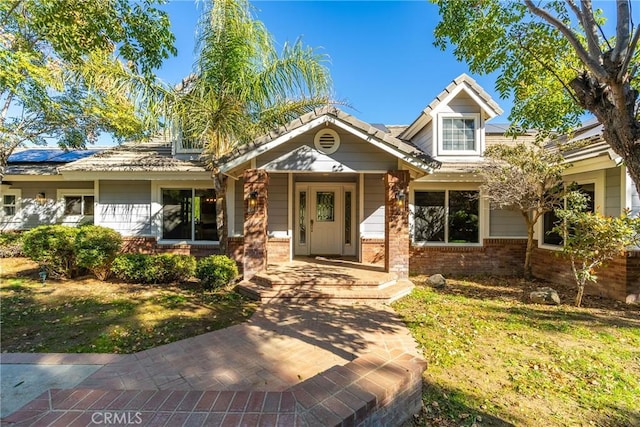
x=545 y=295
x=633 y=299
x=437 y=281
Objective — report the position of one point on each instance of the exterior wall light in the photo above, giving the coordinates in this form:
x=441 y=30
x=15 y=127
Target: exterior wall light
x=401 y=198
x=253 y=201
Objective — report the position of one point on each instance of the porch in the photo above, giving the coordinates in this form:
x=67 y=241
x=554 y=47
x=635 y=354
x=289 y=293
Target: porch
x=328 y=279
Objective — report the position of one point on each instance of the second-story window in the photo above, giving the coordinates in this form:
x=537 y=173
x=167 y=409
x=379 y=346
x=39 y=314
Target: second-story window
x=459 y=134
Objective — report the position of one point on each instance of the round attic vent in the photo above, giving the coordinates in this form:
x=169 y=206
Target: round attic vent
x=327 y=141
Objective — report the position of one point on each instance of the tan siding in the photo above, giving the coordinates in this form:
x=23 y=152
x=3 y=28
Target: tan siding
x=506 y=223
x=424 y=139
x=612 y=206
x=373 y=206
x=277 y=204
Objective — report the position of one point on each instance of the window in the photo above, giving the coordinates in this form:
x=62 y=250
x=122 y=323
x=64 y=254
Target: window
x=78 y=205
x=550 y=219
x=9 y=204
x=459 y=134
x=189 y=214
x=446 y=216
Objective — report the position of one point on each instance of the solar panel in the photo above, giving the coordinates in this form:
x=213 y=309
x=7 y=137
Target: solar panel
x=53 y=155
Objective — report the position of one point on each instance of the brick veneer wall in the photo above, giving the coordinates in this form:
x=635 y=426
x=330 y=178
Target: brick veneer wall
x=396 y=230
x=504 y=257
x=619 y=279
x=149 y=245
x=255 y=222
x=372 y=251
x=278 y=250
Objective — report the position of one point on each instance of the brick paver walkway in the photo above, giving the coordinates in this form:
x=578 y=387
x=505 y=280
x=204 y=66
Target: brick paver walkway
x=232 y=376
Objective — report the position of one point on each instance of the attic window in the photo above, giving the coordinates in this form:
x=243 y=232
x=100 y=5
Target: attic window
x=327 y=141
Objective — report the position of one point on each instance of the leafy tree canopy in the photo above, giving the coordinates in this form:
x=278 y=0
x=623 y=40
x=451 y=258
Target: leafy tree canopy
x=556 y=61
x=70 y=69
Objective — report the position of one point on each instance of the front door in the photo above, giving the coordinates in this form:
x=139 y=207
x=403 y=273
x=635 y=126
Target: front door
x=325 y=215
x=325 y=221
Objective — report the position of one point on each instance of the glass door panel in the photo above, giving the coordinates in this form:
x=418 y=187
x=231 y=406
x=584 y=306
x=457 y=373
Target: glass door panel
x=176 y=214
x=204 y=215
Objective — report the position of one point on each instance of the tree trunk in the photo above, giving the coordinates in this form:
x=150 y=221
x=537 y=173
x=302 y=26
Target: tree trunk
x=613 y=103
x=220 y=186
x=580 y=293
x=529 y=252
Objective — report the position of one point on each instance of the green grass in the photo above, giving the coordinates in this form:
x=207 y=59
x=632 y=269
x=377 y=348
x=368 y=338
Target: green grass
x=89 y=316
x=494 y=357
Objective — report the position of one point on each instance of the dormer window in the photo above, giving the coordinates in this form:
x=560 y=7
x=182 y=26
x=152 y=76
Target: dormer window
x=459 y=134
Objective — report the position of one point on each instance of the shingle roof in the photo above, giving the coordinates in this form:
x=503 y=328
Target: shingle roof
x=149 y=156
x=371 y=130
x=470 y=84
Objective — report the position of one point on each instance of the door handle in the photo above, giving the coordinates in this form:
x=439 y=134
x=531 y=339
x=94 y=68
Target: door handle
x=312 y=226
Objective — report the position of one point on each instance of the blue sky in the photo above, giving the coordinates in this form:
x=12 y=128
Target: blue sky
x=382 y=58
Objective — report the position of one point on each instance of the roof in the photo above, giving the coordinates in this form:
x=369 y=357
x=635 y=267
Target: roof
x=50 y=155
x=260 y=145
x=149 y=156
x=44 y=161
x=463 y=81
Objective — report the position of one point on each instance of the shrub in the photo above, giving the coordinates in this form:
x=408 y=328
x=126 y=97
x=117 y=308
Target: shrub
x=10 y=245
x=96 y=247
x=51 y=246
x=216 y=271
x=142 y=268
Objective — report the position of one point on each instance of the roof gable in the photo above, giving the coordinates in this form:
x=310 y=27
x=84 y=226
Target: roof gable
x=458 y=85
x=322 y=117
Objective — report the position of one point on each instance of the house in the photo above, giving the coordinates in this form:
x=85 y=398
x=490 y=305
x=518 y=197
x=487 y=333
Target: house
x=403 y=197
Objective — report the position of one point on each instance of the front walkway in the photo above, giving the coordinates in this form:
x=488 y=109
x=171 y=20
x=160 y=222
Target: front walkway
x=290 y=364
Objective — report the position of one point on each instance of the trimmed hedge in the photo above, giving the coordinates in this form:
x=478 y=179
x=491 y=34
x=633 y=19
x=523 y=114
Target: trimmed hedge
x=164 y=268
x=216 y=271
x=51 y=246
x=96 y=247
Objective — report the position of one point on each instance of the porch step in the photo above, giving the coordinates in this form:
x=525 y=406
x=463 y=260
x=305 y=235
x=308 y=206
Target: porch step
x=288 y=281
x=331 y=293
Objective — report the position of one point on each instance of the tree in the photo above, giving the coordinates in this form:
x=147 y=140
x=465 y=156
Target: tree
x=71 y=69
x=591 y=239
x=526 y=178
x=556 y=61
x=242 y=87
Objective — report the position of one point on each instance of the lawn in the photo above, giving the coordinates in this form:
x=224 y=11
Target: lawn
x=495 y=359
x=89 y=316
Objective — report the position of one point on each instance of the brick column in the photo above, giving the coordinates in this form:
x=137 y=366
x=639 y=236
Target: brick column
x=255 y=223
x=396 y=229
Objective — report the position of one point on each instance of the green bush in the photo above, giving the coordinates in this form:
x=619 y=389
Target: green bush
x=96 y=247
x=10 y=245
x=216 y=271
x=142 y=268
x=51 y=246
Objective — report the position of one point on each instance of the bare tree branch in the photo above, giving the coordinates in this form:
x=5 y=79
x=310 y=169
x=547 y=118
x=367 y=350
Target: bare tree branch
x=592 y=63
x=623 y=33
x=629 y=56
x=585 y=17
x=5 y=108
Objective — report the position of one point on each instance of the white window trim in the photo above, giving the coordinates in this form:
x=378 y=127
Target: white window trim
x=597 y=179
x=62 y=193
x=482 y=209
x=478 y=134
x=156 y=210
x=14 y=192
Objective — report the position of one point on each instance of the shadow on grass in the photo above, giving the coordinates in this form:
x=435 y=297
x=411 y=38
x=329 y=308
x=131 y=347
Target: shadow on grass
x=595 y=310
x=127 y=319
x=445 y=407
